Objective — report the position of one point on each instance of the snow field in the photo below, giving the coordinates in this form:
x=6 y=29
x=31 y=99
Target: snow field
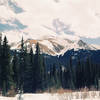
x=92 y=95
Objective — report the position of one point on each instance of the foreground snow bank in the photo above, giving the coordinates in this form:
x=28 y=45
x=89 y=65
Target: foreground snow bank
x=36 y=96
x=93 y=95
x=8 y=98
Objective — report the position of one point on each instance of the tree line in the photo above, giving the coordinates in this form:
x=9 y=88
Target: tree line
x=27 y=71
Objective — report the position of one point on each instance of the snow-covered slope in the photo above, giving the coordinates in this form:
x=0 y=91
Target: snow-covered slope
x=96 y=46
x=54 y=45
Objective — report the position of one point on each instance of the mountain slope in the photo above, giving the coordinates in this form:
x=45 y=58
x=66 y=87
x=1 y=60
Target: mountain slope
x=54 y=45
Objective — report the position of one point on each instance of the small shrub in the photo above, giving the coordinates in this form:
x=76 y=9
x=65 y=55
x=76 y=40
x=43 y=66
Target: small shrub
x=11 y=92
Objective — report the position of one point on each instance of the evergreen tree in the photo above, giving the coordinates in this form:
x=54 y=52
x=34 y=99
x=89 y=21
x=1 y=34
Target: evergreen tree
x=15 y=66
x=54 y=76
x=6 y=67
x=57 y=77
x=61 y=75
x=0 y=61
x=38 y=69
x=22 y=64
x=88 y=72
x=29 y=74
x=45 y=78
x=78 y=74
x=71 y=74
x=66 y=76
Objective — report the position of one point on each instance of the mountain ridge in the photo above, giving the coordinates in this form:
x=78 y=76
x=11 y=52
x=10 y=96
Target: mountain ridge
x=54 y=45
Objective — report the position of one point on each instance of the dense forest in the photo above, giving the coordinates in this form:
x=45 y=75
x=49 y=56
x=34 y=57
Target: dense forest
x=27 y=72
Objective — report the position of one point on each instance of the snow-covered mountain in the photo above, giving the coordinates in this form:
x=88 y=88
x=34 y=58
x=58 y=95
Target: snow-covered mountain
x=54 y=45
x=96 y=46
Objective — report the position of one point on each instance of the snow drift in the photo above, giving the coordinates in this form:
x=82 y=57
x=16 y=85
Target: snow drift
x=92 y=95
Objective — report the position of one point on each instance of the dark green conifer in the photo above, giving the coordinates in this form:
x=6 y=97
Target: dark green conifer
x=6 y=67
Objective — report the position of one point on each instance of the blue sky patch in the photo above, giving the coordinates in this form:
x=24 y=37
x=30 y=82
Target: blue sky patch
x=18 y=24
x=91 y=40
x=15 y=25
x=15 y=7
x=6 y=27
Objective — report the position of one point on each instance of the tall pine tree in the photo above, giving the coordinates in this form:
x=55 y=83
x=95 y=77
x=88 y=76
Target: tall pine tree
x=22 y=65
x=38 y=69
x=29 y=74
x=15 y=67
x=6 y=67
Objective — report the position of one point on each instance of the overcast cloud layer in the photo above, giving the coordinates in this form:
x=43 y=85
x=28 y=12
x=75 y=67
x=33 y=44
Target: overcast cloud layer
x=83 y=16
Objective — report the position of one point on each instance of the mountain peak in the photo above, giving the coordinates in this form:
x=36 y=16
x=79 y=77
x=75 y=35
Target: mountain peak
x=81 y=43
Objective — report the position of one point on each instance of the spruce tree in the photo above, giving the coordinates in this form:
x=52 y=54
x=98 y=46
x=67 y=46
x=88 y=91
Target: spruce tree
x=78 y=74
x=6 y=67
x=44 y=79
x=88 y=72
x=22 y=64
x=71 y=74
x=54 y=76
x=0 y=61
x=61 y=75
x=29 y=74
x=15 y=67
x=38 y=69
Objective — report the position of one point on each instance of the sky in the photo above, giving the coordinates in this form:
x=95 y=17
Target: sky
x=37 y=18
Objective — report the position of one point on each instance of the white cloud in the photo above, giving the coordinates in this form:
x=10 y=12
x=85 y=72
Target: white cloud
x=81 y=15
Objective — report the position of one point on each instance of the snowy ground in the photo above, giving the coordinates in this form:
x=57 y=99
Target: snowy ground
x=65 y=96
